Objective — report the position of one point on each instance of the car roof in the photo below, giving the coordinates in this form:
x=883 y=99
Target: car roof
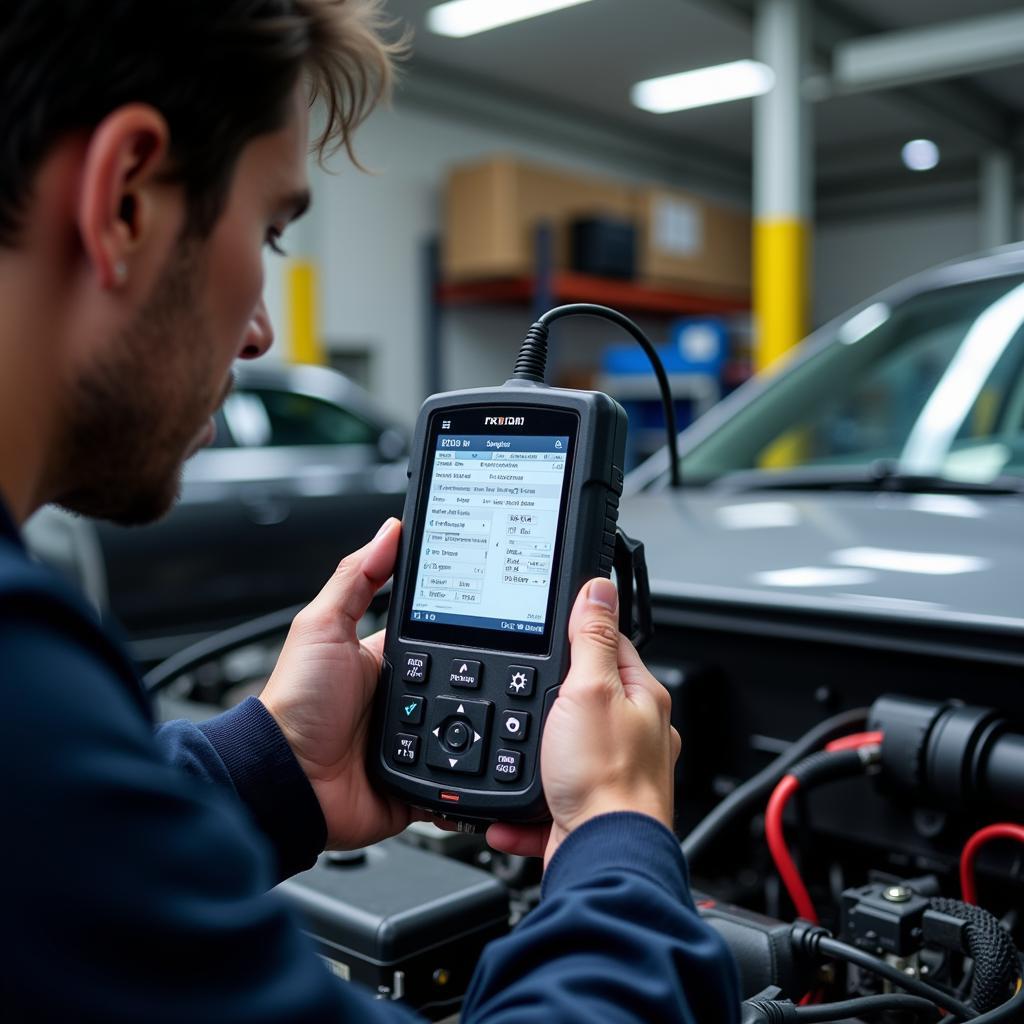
x=993 y=263
x=315 y=381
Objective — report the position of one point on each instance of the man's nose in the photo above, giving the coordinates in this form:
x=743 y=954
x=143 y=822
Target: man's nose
x=259 y=334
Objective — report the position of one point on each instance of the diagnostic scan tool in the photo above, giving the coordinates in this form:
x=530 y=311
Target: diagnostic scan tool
x=512 y=505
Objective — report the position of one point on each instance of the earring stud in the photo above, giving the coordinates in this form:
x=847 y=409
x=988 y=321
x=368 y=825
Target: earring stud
x=120 y=272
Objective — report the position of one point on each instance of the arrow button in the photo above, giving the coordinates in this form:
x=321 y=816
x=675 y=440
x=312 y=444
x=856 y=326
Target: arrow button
x=465 y=674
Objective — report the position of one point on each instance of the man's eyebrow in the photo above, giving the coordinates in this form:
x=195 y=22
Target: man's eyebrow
x=297 y=204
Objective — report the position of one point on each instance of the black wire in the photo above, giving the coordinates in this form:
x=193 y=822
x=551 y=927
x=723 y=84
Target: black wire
x=228 y=640
x=836 y=950
x=865 y=1005
x=745 y=797
x=607 y=313
x=217 y=646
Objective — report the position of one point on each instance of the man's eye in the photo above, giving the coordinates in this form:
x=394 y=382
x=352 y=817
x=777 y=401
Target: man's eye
x=273 y=242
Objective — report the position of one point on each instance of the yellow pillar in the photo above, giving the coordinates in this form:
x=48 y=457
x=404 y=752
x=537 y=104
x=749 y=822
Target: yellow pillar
x=303 y=343
x=783 y=186
x=780 y=286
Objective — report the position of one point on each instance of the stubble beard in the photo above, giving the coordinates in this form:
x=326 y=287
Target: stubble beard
x=133 y=415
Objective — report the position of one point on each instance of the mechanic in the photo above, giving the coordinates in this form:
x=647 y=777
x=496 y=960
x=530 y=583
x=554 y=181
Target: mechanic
x=150 y=150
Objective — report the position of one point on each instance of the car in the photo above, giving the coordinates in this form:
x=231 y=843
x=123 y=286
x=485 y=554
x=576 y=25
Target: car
x=303 y=469
x=848 y=525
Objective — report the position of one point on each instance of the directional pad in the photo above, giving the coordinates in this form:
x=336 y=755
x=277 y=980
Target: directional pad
x=458 y=732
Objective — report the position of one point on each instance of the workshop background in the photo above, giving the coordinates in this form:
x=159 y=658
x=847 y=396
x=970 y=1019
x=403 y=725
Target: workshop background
x=842 y=557
x=813 y=167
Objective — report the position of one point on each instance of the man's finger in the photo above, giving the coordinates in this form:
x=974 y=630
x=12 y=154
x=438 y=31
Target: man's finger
x=520 y=840
x=594 y=635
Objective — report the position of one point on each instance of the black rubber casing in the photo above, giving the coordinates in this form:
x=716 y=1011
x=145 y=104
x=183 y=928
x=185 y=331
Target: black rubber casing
x=587 y=548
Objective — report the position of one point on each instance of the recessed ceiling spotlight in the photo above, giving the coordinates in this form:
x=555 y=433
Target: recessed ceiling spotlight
x=920 y=155
x=460 y=18
x=738 y=80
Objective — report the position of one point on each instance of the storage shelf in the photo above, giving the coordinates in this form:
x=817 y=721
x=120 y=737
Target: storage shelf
x=572 y=287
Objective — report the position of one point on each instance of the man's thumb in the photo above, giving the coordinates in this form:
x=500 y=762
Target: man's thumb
x=594 y=633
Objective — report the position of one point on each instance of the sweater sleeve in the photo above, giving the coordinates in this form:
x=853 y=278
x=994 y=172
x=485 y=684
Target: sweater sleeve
x=135 y=893
x=616 y=938
x=244 y=752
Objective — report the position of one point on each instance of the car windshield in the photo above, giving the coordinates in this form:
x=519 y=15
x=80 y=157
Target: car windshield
x=930 y=387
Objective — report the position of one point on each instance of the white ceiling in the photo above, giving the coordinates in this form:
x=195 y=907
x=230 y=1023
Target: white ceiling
x=584 y=59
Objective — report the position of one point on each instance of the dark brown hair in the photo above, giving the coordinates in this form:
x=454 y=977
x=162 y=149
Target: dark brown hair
x=220 y=72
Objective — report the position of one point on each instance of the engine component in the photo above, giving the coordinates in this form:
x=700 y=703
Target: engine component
x=408 y=923
x=950 y=753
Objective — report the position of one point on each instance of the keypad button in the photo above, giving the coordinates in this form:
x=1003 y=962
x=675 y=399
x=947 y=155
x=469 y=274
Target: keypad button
x=506 y=765
x=415 y=668
x=454 y=721
x=406 y=749
x=515 y=725
x=465 y=674
x=519 y=680
x=456 y=736
x=412 y=709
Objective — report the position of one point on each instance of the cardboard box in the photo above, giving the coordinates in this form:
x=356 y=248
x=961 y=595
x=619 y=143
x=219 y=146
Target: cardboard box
x=689 y=241
x=493 y=209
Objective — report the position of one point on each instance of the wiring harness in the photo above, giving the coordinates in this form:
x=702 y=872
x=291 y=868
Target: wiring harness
x=889 y=925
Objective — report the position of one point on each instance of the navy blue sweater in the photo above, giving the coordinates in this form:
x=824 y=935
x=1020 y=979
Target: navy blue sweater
x=136 y=865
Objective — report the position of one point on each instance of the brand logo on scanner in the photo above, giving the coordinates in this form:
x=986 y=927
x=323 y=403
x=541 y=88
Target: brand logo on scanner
x=504 y=421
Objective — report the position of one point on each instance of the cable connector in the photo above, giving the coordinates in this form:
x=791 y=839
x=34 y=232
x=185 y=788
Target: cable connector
x=768 y=1011
x=532 y=361
x=767 y=1008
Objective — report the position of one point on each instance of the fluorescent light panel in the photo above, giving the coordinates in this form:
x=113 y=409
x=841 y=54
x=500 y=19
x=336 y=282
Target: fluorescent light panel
x=460 y=18
x=737 y=80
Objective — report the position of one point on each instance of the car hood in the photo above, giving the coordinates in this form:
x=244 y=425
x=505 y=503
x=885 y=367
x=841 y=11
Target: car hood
x=934 y=558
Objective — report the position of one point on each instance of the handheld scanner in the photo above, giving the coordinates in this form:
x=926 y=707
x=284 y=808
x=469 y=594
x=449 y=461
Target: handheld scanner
x=512 y=505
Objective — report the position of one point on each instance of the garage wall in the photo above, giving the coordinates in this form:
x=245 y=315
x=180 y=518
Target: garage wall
x=855 y=258
x=367 y=231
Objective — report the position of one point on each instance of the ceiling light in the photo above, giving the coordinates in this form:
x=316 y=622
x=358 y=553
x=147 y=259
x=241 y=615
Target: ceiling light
x=461 y=18
x=738 y=80
x=920 y=154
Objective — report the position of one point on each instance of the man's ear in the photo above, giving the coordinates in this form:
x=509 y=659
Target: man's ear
x=117 y=211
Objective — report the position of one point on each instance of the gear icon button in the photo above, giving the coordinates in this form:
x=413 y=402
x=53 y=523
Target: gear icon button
x=519 y=680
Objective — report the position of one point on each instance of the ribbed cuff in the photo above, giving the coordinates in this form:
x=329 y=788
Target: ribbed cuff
x=621 y=840
x=270 y=783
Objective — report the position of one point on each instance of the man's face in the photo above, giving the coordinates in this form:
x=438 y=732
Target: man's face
x=145 y=402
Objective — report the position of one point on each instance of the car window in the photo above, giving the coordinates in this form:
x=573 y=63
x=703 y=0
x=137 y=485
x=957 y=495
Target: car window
x=266 y=417
x=222 y=435
x=935 y=384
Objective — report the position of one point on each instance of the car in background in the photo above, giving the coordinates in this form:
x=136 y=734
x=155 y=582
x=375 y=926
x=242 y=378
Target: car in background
x=848 y=525
x=304 y=468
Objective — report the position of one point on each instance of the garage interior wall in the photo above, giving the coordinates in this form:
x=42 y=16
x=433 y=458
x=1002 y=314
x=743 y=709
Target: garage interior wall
x=367 y=231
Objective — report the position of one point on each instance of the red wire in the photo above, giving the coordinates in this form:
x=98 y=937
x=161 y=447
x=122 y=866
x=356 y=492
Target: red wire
x=784 y=863
x=1004 y=830
x=855 y=740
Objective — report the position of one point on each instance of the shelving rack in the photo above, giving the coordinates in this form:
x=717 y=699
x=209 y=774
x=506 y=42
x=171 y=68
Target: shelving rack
x=547 y=287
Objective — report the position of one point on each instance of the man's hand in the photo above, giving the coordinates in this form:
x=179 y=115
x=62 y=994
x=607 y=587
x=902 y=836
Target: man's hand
x=608 y=744
x=321 y=690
